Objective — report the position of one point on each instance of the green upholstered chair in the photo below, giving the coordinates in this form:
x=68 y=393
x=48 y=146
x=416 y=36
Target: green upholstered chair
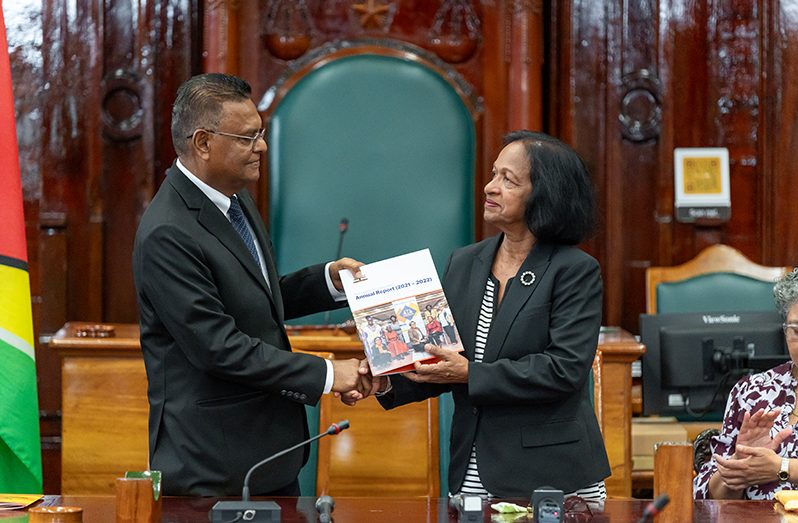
x=385 y=138
x=719 y=279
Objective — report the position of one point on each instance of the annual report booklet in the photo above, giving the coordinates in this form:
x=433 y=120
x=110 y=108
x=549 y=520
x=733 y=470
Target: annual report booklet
x=399 y=307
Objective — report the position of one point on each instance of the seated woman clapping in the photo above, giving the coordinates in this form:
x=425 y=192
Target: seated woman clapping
x=756 y=455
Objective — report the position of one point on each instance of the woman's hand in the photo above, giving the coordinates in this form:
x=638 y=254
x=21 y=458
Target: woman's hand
x=755 y=432
x=759 y=466
x=452 y=367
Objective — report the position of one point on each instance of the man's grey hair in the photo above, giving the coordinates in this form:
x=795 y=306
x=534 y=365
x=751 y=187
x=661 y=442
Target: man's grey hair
x=198 y=104
x=785 y=292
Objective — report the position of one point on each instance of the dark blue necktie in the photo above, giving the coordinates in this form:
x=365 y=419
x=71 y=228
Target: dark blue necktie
x=240 y=225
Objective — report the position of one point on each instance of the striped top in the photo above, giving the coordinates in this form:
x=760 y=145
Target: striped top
x=472 y=484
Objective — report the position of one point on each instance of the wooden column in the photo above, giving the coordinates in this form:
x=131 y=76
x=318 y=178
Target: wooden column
x=524 y=54
x=221 y=39
x=616 y=352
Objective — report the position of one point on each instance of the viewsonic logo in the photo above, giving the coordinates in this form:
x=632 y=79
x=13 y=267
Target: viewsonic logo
x=723 y=318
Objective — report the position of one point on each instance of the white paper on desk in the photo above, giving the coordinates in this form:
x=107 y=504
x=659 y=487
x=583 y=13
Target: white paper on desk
x=394 y=296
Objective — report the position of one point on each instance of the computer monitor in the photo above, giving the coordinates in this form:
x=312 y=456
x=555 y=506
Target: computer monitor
x=692 y=360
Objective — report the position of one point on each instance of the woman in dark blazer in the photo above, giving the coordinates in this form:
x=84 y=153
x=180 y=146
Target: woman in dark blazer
x=528 y=305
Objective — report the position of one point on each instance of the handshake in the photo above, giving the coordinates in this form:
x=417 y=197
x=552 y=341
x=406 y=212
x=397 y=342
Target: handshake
x=353 y=380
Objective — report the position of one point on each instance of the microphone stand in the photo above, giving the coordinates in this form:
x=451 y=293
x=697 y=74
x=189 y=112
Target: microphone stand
x=262 y=511
x=342 y=228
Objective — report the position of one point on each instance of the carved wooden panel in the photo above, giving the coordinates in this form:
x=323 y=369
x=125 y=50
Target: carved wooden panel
x=93 y=83
x=633 y=81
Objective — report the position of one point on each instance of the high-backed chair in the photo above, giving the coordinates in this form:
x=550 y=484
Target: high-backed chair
x=381 y=135
x=719 y=279
x=384 y=135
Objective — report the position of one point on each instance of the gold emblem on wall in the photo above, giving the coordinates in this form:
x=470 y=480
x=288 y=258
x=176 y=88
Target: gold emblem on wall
x=374 y=14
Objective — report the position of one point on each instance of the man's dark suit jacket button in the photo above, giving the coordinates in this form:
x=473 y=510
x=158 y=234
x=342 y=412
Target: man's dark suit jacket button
x=282 y=392
x=303 y=396
x=296 y=395
x=475 y=410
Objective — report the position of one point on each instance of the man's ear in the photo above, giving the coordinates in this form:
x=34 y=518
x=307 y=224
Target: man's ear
x=200 y=144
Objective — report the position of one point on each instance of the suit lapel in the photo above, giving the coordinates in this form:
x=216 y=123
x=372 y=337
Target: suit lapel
x=515 y=297
x=262 y=237
x=210 y=217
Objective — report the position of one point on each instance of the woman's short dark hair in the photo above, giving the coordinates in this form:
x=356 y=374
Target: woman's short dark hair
x=561 y=207
x=199 y=101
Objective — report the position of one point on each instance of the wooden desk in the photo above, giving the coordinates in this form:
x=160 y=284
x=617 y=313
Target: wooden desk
x=101 y=509
x=103 y=380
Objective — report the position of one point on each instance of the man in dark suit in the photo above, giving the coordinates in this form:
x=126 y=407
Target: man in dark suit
x=225 y=390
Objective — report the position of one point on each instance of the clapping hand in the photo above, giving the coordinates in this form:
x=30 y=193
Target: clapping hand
x=759 y=466
x=755 y=432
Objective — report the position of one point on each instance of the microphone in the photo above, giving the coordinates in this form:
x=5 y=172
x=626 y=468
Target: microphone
x=468 y=508
x=343 y=226
x=325 y=506
x=263 y=510
x=654 y=508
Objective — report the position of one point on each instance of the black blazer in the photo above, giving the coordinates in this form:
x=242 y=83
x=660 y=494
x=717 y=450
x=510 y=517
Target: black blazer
x=225 y=390
x=527 y=404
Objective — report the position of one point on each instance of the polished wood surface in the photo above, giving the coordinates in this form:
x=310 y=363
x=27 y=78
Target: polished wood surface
x=105 y=400
x=673 y=475
x=360 y=463
x=715 y=258
x=104 y=379
x=105 y=409
x=100 y=509
x=631 y=81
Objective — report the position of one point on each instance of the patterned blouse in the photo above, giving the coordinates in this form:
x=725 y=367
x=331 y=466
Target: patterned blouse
x=769 y=390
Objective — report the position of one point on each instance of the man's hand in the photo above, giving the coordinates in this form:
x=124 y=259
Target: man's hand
x=344 y=263
x=755 y=432
x=452 y=367
x=759 y=466
x=347 y=377
x=368 y=383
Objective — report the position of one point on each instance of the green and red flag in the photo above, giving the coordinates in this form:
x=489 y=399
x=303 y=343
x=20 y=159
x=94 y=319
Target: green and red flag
x=20 y=450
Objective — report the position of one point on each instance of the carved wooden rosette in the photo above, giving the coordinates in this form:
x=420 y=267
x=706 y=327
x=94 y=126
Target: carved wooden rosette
x=641 y=107
x=122 y=106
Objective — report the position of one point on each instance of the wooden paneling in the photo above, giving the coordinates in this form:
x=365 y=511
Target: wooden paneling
x=93 y=83
x=92 y=423
x=385 y=453
x=390 y=454
x=105 y=431
x=633 y=81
